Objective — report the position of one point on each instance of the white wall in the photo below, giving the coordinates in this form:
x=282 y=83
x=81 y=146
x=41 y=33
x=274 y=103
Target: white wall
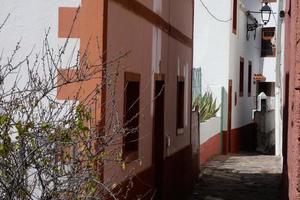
x=280 y=79
x=212 y=46
x=209 y=129
x=269 y=63
x=250 y=51
x=28 y=22
x=217 y=51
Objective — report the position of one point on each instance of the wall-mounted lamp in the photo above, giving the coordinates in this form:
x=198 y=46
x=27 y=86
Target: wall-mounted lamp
x=252 y=23
x=266 y=12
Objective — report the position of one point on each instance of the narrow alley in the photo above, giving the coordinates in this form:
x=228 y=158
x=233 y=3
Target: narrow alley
x=240 y=177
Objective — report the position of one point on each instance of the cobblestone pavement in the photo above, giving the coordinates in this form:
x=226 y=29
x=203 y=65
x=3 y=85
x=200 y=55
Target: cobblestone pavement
x=244 y=177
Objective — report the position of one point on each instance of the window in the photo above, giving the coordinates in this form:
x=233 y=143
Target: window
x=180 y=104
x=268 y=47
x=249 y=78
x=131 y=116
x=241 y=91
x=234 y=17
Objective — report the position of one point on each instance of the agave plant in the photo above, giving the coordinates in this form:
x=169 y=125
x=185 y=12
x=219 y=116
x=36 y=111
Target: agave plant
x=206 y=105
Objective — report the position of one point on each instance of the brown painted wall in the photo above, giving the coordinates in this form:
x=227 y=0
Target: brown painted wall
x=241 y=139
x=177 y=181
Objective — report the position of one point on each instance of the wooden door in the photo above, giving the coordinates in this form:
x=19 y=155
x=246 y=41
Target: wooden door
x=229 y=114
x=158 y=137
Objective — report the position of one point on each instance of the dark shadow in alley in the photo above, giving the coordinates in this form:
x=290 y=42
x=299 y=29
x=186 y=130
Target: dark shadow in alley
x=242 y=177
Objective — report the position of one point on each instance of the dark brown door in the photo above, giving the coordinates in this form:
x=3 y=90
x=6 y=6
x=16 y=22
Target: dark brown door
x=228 y=136
x=158 y=137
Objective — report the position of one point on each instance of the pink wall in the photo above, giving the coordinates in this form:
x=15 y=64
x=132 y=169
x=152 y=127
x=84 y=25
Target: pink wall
x=151 y=51
x=292 y=68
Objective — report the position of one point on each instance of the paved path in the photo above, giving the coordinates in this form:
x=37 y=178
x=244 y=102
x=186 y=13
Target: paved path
x=239 y=178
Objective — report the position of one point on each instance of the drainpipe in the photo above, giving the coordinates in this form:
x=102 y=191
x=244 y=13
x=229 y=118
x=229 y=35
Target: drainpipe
x=278 y=84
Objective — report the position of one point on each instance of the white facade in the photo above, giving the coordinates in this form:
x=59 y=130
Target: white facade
x=217 y=50
x=269 y=63
x=249 y=51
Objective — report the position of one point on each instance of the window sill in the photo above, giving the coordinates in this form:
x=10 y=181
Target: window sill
x=130 y=156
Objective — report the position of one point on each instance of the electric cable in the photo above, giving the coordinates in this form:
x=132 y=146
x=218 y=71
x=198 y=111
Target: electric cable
x=211 y=14
x=273 y=14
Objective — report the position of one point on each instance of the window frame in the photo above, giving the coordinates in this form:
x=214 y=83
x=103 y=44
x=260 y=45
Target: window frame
x=241 y=76
x=234 y=17
x=264 y=52
x=180 y=105
x=250 y=78
x=131 y=77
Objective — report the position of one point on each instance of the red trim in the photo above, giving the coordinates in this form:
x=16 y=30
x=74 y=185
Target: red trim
x=241 y=139
x=210 y=148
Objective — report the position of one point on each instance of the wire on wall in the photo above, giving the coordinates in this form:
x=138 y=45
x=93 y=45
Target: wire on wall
x=273 y=13
x=211 y=14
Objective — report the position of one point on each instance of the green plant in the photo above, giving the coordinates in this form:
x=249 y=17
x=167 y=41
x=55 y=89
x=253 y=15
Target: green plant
x=206 y=105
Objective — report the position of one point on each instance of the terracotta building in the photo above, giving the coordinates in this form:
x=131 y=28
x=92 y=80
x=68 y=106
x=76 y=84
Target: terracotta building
x=157 y=38
x=291 y=102
x=152 y=42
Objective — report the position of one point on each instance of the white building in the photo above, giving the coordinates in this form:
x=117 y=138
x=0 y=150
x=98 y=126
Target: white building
x=229 y=59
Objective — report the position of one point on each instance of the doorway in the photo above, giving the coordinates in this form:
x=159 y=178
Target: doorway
x=228 y=135
x=158 y=135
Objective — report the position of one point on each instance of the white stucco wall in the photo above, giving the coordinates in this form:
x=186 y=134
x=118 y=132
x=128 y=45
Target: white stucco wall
x=280 y=80
x=28 y=23
x=269 y=63
x=209 y=129
x=217 y=50
x=212 y=46
x=250 y=51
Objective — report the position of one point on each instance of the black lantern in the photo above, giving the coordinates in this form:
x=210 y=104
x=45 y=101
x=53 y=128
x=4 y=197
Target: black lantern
x=252 y=23
x=266 y=12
